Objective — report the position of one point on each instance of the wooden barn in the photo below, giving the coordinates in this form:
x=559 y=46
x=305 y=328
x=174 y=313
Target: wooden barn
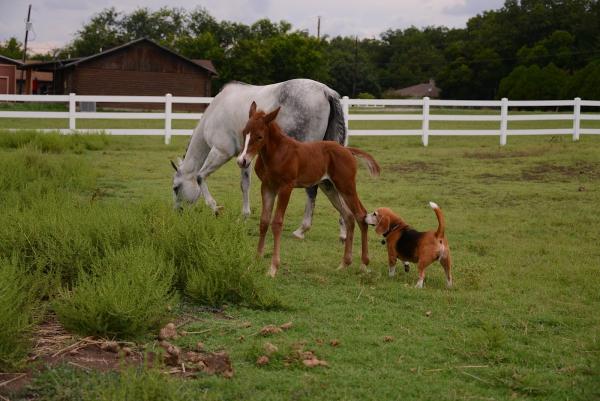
x=8 y=75
x=138 y=68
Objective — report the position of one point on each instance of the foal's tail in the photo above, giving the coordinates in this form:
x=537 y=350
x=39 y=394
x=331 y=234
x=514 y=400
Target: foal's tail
x=374 y=168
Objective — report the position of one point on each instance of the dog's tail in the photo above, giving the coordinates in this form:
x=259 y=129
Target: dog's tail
x=374 y=168
x=441 y=221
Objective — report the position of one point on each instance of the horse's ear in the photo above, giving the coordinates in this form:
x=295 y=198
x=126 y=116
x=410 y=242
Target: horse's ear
x=252 y=109
x=173 y=164
x=272 y=115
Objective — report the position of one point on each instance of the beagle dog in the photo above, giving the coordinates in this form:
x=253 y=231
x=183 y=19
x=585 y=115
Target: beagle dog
x=409 y=245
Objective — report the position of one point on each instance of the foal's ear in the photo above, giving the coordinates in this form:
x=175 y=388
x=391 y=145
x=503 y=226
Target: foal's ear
x=383 y=225
x=252 y=109
x=271 y=116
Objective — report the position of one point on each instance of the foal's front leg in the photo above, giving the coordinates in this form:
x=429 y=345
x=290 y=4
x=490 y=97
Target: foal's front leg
x=268 y=199
x=283 y=197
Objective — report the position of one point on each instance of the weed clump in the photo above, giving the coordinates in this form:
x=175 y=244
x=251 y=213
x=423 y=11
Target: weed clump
x=53 y=142
x=17 y=307
x=126 y=295
x=215 y=260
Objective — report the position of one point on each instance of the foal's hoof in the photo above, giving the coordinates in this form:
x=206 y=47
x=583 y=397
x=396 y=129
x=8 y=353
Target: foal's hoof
x=218 y=210
x=342 y=266
x=364 y=268
x=298 y=234
x=272 y=271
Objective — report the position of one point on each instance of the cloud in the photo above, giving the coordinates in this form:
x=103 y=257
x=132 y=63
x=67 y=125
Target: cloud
x=472 y=7
x=56 y=21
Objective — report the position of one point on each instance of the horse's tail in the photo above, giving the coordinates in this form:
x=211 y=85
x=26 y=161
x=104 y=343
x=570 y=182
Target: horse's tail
x=336 y=126
x=374 y=168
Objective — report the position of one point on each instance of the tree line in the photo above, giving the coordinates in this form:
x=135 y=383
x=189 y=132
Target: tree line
x=527 y=49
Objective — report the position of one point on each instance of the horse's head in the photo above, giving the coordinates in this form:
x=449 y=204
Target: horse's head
x=254 y=134
x=186 y=186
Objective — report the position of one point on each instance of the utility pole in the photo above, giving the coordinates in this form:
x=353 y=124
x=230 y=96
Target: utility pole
x=355 y=66
x=27 y=28
x=319 y=27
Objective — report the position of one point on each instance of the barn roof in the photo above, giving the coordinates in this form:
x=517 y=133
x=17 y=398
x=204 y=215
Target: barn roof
x=207 y=64
x=8 y=60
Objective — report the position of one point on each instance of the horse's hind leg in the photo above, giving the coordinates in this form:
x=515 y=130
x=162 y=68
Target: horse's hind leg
x=311 y=196
x=334 y=197
x=245 y=185
x=215 y=159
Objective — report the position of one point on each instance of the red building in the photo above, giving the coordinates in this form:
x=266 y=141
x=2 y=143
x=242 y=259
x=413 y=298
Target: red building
x=8 y=75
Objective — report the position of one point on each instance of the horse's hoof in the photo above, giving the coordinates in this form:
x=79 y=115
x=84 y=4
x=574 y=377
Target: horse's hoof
x=419 y=284
x=218 y=210
x=246 y=213
x=406 y=267
x=342 y=239
x=298 y=234
x=272 y=271
x=364 y=268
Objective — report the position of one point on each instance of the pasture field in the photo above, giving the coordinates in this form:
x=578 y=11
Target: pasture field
x=521 y=322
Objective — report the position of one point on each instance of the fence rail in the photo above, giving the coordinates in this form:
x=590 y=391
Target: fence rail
x=424 y=115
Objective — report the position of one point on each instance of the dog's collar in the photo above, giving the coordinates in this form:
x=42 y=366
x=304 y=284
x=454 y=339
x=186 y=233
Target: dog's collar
x=389 y=231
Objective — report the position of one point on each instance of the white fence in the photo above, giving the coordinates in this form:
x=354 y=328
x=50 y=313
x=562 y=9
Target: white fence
x=425 y=116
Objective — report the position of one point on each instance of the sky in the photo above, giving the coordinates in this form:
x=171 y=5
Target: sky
x=55 y=22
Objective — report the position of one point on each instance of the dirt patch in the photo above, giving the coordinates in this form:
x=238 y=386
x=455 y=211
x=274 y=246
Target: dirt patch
x=53 y=346
x=553 y=172
x=413 y=167
x=495 y=177
x=503 y=154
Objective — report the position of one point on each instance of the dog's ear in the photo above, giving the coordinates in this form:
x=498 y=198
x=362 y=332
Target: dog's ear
x=383 y=225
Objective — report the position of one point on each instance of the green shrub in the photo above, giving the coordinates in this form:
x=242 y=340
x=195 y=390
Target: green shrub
x=30 y=174
x=127 y=294
x=61 y=237
x=215 y=259
x=53 y=142
x=17 y=308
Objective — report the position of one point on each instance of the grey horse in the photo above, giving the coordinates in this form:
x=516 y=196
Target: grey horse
x=311 y=111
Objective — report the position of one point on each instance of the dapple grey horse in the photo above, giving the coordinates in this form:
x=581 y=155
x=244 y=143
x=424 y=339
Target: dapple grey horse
x=311 y=111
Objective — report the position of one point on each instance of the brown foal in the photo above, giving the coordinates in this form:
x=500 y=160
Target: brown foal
x=285 y=164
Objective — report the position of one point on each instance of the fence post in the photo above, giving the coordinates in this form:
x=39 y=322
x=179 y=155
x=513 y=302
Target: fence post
x=72 y=110
x=346 y=111
x=168 y=110
x=576 y=118
x=503 y=121
x=425 y=127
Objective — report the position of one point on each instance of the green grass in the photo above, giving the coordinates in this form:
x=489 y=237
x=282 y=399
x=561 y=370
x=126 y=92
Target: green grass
x=521 y=322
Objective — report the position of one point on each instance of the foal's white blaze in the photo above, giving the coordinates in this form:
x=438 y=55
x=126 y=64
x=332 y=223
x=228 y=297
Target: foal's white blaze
x=240 y=158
